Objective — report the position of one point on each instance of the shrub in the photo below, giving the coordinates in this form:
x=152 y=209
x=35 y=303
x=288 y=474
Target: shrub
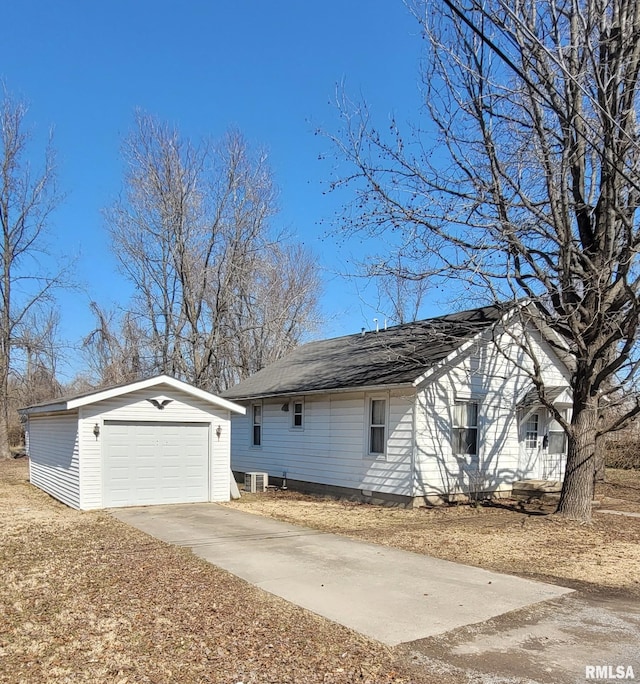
x=623 y=453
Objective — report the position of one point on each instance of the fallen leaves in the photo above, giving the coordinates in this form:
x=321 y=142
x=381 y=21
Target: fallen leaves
x=506 y=536
x=85 y=598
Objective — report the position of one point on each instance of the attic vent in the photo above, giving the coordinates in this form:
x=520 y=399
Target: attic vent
x=256 y=482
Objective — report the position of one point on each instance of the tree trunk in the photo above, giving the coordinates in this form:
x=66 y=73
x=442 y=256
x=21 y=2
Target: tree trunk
x=578 y=486
x=599 y=470
x=5 y=451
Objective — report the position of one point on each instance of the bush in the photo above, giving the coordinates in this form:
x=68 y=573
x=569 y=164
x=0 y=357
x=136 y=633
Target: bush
x=623 y=453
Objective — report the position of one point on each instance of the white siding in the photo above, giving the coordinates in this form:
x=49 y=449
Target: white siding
x=220 y=468
x=485 y=374
x=54 y=456
x=330 y=449
x=136 y=407
x=419 y=460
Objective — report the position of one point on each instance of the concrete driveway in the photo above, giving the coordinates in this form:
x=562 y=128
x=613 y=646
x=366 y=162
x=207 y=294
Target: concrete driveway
x=390 y=595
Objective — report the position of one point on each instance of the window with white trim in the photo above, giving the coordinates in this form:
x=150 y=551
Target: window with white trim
x=297 y=414
x=557 y=437
x=465 y=430
x=531 y=431
x=377 y=425
x=256 y=418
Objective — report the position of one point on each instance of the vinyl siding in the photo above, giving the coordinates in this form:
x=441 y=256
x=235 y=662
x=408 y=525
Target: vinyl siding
x=54 y=456
x=419 y=459
x=330 y=449
x=488 y=376
x=135 y=407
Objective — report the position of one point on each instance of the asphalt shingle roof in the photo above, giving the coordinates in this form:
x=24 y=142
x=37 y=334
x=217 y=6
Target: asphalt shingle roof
x=396 y=356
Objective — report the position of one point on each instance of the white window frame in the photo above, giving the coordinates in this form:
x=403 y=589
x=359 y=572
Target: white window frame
x=369 y=425
x=554 y=428
x=528 y=439
x=455 y=428
x=253 y=425
x=293 y=426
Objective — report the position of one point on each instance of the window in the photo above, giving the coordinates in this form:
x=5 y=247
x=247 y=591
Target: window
x=256 y=436
x=465 y=432
x=297 y=415
x=531 y=431
x=557 y=437
x=377 y=425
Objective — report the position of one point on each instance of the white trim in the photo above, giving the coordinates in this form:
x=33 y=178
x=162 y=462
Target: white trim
x=448 y=359
x=100 y=395
x=328 y=390
x=292 y=425
x=368 y=398
x=48 y=410
x=502 y=322
x=564 y=399
x=252 y=424
x=454 y=426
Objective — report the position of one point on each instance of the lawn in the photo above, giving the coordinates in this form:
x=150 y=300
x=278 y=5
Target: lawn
x=505 y=536
x=85 y=598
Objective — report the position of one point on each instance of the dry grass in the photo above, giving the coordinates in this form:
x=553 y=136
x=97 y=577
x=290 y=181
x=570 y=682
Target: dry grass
x=621 y=490
x=507 y=537
x=85 y=598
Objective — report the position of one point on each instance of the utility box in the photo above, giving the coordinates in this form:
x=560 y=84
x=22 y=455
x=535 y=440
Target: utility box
x=256 y=482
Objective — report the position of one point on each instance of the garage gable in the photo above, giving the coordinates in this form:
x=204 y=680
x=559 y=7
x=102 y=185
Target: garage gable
x=94 y=396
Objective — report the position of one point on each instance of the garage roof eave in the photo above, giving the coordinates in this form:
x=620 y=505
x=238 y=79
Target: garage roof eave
x=110 y=393
x=54 y=407
x=71 y=403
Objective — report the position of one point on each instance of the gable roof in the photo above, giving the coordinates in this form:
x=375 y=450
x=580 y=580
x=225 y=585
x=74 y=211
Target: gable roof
x=395 y=356
x=556 y=394
x=93 y=396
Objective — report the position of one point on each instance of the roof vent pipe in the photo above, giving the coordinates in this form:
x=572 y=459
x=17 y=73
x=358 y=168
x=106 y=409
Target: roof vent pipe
x=375 y=320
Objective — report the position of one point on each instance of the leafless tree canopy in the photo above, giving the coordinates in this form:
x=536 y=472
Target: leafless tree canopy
x=218 y=293
x=113 y=348
x=27 y=198
x=525 y=182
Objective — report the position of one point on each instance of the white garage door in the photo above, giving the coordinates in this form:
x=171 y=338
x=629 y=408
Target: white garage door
x=155 y=463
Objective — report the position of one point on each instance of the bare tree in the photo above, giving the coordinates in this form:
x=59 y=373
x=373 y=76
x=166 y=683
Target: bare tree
x=115 y=349
x=192 y=231
x=36 y=353
x=27 y=199
x=400 y=290
x=273 y=307
x=526 y=183
x=39 y=352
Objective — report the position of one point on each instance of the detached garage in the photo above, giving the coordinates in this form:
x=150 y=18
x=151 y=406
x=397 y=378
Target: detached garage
x=155 y=441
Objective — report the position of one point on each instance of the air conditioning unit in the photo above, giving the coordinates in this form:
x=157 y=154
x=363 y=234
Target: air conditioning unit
x=256 y=482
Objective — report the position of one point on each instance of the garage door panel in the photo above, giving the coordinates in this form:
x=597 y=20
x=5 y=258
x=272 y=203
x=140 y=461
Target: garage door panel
x=155 y=463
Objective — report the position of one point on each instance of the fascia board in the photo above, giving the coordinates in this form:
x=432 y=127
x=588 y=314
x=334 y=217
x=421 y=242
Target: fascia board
x=152 y=382
x=502 y=323
x=448 y=360
x=336 y=390
x=59 y=407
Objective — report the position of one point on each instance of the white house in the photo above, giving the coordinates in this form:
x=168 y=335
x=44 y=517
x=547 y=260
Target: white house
x=427 y=411
x=154 y=441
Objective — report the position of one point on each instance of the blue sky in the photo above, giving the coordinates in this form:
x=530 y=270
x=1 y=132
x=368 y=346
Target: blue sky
x=267 y=68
